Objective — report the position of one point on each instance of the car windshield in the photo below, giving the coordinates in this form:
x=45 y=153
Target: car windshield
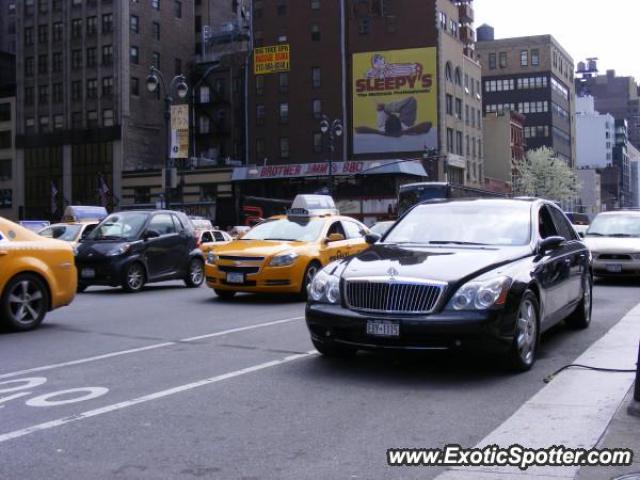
x=615 y=225
x=120 y=226
x=381 y=227
x=464 y=223
x=294 y=230
x=67 y=233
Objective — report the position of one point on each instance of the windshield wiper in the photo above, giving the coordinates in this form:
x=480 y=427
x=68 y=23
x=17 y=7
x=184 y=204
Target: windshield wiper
x=595 y=234
x=110 y=237
x=281 y=239
x=622 y=235
x=454 y=242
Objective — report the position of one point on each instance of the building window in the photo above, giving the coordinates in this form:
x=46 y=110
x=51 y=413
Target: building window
x=283 y=82
x=107 y=118
x=92 y=88
x=57 y=5
x=316 y=108
x=284 y=112
x=315 y=33
x=43 y=94
x=5 y=142
x=76 y=28
x=259 y=148
x=92 y=26
x=317 y=142
x=28 y=67
x=92 y=118
x=155 y=27
x=502 y=59
x=284 y=147
x=28 y=95
x=177 y=9
x=107 y=86
x=281 y=7
x=107 y=23
x=260 y=111
x=204 y=124
x=448 y=74
x=459 y=108
x=76 y=120
x=459 y=143
x=76 y=90
x=134 y=55
x=492 y=61
x=30 y=125
x=449 y=104
x=43 y=64
x=28 y=36
x=315 y=77
x=155 y=4
x=56 y=93
x=205 y=94
x=6 y=164
x=450 y=140
x=524 y=58
x=58 y=122
x=155 y=60
x=134 y=23
x=364 y=26
x=43 y=6
x=535 y=57
x=466 y=115
x=315 y=4
x=107 y=55
x=91 y=57
x=44 y=124
x=135 y=86
x=76 y=59
x=43 y=33
x=259 y=84
x=56 y=62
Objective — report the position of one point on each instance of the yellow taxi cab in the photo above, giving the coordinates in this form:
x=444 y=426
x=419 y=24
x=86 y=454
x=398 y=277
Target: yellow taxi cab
x=283 y=253
x=77 y=223
x=36 y=275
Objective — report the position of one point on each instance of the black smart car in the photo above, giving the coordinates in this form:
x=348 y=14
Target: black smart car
x=132 y=248
x=470 y=273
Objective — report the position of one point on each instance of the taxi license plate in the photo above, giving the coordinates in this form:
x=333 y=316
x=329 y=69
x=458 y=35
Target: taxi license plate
x=88 y=273
x=380 y=328
x=235 y=278
x=614 y=267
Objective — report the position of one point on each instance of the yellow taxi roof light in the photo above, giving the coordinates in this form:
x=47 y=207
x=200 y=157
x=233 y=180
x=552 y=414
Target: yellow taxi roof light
x=80 y=213
x=312 y=205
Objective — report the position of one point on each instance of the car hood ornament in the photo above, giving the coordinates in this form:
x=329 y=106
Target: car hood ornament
x=392 y=272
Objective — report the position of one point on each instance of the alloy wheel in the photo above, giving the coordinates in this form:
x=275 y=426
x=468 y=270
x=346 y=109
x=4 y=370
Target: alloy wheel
x=527 y=331
x=26 y=302
x=135 y=277
x=196 y=273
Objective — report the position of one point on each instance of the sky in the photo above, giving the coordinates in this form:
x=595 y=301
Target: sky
x=585 y=28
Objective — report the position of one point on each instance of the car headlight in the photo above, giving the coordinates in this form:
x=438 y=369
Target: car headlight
x=325 y=288
x=212 y=258
x=283 y=260
x=121 y=250
x=481 y=295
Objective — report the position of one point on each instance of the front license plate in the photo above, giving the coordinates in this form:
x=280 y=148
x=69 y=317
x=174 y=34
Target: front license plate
x=381 y=328
x=614 y=267
x=235 y=278
x=88 y=273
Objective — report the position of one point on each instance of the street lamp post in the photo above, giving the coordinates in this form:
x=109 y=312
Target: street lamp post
x=431 y=154
x=179 y=85
x=333 y=129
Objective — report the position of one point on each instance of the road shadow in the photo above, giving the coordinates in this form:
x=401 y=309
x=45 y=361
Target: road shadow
x=102 y=290
x=256 y=299
x=632 y=282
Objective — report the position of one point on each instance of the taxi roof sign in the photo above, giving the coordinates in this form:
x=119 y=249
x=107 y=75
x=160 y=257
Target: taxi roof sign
x=308 y=205
x=79 y=213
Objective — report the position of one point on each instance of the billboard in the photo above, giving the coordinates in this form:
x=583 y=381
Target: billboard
x=179 y=131
x=395 y=103
x=271 y=59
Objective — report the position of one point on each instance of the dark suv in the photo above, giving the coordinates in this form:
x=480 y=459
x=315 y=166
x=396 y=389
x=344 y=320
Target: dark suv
x=132 y=248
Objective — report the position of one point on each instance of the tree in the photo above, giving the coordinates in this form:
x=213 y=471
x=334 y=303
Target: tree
x=542 y=174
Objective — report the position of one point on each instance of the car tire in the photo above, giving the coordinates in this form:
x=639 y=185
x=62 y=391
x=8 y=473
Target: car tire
x=225 y=294
x=581 y=317
x=312 y=269
x=134 y=278
x=25 y=302
x=331 y=350
x=522 y=352
x=195 y=273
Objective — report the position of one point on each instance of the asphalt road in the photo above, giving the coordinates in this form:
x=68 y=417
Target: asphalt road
x=173 y=383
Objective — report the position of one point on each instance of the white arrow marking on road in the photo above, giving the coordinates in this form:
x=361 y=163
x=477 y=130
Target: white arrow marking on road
x=148 y=398
x=145 y=349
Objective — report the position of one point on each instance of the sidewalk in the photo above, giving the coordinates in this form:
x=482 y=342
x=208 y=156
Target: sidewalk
x=622 y=432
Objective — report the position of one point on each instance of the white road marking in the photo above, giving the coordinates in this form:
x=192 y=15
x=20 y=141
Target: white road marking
x=573 y=410
x=148 y=398
x=145 y=349
x=47 y=400
x=28 y=383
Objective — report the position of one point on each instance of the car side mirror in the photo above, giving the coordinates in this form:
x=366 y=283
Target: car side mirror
x=550 y=243
x=335 y=237
x=372 y=238
x=149 y=234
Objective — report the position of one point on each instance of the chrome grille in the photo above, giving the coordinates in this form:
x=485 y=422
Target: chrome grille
x=393 y=295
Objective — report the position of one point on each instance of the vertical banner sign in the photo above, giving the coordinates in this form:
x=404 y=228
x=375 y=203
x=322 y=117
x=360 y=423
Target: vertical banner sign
x=271 y=59
x=179 y=131
x=395 y=101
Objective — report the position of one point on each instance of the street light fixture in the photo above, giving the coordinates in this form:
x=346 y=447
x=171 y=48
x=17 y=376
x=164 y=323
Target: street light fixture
x=334 y=129
x=179 y=85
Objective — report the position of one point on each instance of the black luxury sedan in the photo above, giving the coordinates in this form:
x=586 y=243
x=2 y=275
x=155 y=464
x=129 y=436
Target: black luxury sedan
x=130 y=249
x=484 y=273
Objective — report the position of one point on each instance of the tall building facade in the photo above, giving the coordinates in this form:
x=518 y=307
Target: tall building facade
x=504 y=149
x=534 y=76
x=84 y=114
x=8 y=26
x=595 y=135
x=10 y=193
